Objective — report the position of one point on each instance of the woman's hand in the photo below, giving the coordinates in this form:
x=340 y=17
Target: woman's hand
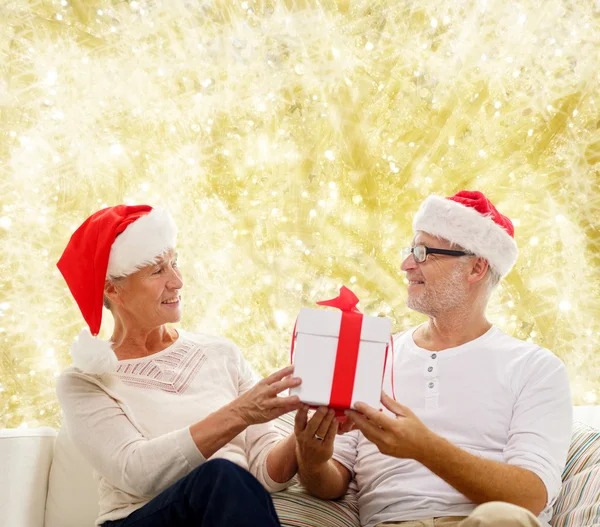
x=315 y=437
x=345 y=425
x=261 y=403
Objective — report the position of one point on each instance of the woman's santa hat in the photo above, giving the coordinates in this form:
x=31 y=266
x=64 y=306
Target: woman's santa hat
x=113 y=242
x=470 y=220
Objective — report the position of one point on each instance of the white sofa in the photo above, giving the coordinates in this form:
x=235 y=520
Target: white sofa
x=45 y=482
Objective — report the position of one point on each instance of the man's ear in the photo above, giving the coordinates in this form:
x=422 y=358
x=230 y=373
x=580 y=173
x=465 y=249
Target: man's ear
x=479 y=267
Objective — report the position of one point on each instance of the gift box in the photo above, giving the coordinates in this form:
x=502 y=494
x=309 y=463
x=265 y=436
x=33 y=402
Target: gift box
x=340 y=355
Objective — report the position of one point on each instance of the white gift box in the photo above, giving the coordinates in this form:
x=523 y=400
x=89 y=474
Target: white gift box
x=317 y=332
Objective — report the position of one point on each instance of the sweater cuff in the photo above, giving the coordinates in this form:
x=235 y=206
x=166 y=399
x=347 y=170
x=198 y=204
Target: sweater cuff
x=272 y=485
x=187 y=447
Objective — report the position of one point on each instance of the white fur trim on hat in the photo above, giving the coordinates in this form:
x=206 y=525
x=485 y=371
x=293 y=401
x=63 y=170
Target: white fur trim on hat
x=141 y=243
x=468 y=228
x=93 y=355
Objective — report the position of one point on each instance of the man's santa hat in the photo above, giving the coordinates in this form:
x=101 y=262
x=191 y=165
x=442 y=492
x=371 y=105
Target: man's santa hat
x=470 y=220
x=113 y=242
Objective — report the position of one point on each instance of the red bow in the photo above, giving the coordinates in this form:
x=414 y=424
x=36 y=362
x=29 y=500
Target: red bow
x=346 y=301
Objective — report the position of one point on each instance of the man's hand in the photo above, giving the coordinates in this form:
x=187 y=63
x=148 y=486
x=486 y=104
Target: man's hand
x=315 y=438
x=404 y=436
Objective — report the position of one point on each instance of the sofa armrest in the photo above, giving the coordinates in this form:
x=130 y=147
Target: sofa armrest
x=25 y=459
x=588 y=415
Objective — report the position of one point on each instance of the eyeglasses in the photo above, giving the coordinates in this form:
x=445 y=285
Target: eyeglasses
x=420 y=252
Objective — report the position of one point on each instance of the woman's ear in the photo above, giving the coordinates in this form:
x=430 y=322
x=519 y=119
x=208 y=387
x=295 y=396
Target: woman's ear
x=111 y=291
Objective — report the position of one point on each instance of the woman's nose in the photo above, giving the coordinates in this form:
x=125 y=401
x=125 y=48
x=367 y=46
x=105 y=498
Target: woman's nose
x=175 y=280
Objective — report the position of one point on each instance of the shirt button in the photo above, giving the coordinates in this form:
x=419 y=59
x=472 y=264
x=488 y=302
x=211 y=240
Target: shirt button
x=434 y=356
x=430 y=368
x=431 y=385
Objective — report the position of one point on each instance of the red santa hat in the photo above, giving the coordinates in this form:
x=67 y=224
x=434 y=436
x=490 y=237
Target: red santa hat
x=470 y=220
x=113 y=242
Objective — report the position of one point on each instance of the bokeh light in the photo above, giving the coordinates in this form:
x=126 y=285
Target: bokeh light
x=293 y=142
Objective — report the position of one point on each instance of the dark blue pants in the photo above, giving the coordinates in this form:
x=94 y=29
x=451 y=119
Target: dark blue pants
x=218 y=493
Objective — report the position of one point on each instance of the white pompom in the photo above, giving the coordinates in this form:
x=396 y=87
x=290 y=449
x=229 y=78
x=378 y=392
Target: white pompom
x=93 y=355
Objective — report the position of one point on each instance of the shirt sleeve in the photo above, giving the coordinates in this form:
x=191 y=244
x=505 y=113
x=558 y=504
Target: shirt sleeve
x=345 y=449
x=261 y=438
x=541 y=425
x=114 y=446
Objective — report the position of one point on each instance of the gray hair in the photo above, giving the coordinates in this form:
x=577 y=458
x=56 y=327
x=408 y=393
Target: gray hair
x=493 y=277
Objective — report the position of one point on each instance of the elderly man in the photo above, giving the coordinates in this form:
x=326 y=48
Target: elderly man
x=480 y=429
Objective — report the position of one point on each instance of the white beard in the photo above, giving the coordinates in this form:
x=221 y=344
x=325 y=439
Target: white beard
x=448 y=294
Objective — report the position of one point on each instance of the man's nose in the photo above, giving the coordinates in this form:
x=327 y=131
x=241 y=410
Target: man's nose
x=409 y=263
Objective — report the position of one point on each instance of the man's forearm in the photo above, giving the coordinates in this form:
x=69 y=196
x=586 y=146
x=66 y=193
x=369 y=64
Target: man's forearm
x=281 y=461
x=482 y=480
x=325 y=481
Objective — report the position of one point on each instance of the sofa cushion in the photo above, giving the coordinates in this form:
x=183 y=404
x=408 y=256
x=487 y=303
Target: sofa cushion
x=72 y=499
x=578 y=503
x=296 y=508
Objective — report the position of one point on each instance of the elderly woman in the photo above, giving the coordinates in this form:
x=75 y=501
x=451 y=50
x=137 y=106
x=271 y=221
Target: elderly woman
x=174 y=424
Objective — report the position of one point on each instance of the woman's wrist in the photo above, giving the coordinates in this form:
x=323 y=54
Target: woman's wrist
x=233 y=412
x=216 y=430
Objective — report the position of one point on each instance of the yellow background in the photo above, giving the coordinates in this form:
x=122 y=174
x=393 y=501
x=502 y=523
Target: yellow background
x=293 y=143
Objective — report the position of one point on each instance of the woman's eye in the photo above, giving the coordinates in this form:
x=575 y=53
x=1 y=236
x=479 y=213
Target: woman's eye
x=158 y=272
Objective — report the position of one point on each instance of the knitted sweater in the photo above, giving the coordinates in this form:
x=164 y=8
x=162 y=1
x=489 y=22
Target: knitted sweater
x=133 y=426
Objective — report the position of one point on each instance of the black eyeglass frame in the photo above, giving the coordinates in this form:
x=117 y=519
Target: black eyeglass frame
x=430 y=250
